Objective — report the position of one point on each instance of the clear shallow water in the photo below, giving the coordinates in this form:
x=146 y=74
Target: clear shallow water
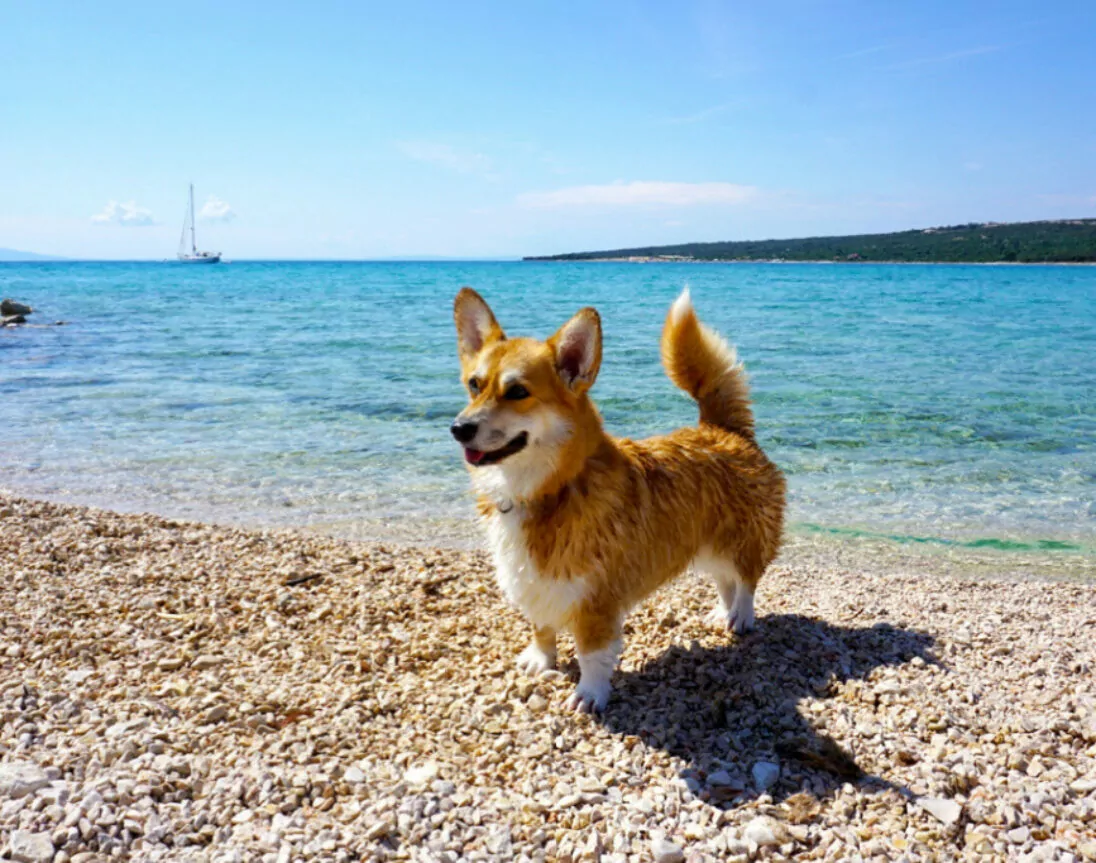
x=943 y=406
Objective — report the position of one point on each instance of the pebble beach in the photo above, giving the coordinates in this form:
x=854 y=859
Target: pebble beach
x=180 y=691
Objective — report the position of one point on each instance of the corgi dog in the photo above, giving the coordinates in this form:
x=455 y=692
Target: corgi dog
x=582 y=525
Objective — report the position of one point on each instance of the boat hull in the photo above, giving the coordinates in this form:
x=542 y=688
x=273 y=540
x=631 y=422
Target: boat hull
x=200 y=259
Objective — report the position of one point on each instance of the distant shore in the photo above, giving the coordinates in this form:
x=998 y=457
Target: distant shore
x=1062 y=241
x=671 y=260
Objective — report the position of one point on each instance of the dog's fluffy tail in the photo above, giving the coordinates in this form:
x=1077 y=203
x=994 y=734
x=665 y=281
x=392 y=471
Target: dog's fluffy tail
x=699 y=361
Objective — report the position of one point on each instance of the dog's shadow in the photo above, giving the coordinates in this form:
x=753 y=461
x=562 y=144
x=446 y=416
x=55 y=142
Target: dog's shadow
x=727 y=709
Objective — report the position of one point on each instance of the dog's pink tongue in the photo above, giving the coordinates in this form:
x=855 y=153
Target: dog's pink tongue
x=474 y=456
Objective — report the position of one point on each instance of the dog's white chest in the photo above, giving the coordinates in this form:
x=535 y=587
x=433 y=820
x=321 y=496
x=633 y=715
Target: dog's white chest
x=544 y=601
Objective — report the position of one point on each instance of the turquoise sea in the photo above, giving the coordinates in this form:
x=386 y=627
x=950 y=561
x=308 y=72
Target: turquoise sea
x=949 y=409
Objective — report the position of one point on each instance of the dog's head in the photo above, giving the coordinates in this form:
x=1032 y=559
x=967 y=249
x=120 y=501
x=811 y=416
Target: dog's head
x=527 y=398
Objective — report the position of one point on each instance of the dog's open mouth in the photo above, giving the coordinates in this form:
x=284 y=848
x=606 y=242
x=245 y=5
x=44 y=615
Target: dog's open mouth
x=479 y=458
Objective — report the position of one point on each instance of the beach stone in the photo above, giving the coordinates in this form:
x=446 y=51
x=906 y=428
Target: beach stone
x=665 y=851
x=354 y=775
x=1019 y=835
x=765 y=774
x=377 y=831
x=11 y=307
x=57 y=792
x=721 y=778
x=20 y=778
x=943 y=810
x=422 y=773
x=26 y=847
x=762 y=832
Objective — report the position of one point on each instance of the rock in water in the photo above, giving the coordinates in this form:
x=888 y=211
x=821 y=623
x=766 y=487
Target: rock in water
x=31 y=847
x=20 y=778
x=10 y=307
x=11 y=320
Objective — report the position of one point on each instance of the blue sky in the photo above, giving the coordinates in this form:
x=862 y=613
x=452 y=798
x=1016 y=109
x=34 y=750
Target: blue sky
x=355 y=130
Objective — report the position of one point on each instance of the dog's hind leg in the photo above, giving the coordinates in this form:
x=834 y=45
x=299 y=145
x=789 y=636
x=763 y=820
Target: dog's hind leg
x=540 y=655
x=735 y=608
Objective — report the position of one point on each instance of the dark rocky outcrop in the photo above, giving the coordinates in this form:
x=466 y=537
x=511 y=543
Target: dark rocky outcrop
x=10 y=308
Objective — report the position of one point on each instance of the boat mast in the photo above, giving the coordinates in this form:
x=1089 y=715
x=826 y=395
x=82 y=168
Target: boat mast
x=193 y=244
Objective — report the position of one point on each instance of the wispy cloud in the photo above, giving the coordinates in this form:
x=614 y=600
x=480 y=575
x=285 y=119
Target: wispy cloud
x=863 y=52
x=972 y=166
x=124 y=214
x=216 y=210
x=640 y=193
x=947 y=58
x=446 y=156
x=702 y=115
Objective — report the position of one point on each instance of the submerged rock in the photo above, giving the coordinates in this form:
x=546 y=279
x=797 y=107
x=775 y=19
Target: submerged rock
x=10 y=307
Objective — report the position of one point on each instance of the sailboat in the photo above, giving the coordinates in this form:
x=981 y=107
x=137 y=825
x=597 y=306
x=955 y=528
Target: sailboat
x=193 y=256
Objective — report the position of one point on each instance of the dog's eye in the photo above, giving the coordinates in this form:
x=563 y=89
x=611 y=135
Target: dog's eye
x=474 y=386
x=515 y=393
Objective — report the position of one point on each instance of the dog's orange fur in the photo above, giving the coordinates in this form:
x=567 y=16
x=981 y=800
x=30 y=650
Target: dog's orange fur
x=623 y=516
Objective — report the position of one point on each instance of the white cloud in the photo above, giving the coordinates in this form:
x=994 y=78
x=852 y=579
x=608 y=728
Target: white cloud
x=461 y=161
x=640 y=193
x=124 y=214
x=216 y=210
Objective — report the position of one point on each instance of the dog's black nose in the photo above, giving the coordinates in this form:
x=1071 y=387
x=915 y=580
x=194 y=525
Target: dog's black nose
x=463 y=430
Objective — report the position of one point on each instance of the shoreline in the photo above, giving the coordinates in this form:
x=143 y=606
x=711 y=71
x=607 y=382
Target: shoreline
x=192 y=691
x=850 y=546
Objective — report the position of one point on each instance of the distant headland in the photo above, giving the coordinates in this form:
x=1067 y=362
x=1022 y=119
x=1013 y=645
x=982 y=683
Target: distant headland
x=1065 y=241
x=16 y=255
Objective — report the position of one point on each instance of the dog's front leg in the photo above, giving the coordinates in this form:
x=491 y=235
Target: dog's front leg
x=540 y=655
x=598 y=644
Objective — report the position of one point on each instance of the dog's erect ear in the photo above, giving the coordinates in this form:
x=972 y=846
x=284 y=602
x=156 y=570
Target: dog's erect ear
x=577 y=346
x=476 y=324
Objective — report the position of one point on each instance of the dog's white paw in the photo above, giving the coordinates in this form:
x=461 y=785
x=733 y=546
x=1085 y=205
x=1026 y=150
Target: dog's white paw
x=739 y=618
x=534 y=661
x=590 y=698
